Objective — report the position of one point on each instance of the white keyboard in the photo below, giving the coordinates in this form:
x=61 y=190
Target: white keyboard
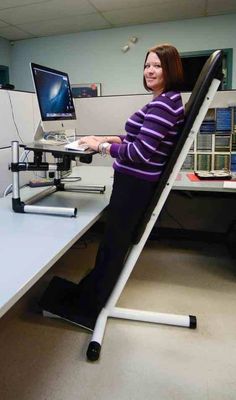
x=76 y=146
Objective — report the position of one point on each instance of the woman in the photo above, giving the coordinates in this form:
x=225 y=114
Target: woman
x=140 y=156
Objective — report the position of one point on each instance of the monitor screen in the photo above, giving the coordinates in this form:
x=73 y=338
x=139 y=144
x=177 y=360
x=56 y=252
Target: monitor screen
x=54 y=98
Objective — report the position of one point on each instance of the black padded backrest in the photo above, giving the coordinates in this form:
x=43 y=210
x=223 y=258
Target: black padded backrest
x=210 y=70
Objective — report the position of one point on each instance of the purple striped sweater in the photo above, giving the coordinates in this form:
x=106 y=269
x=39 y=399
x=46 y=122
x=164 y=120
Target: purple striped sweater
x=151 y=135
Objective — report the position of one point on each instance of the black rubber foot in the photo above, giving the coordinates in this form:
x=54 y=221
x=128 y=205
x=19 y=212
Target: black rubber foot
x=93 y=351
x=192 y=322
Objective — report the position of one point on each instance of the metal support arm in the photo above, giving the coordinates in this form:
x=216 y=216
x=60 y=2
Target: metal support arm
x=61 y=164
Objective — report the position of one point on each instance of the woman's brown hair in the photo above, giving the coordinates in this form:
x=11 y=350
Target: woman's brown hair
x=171 y=66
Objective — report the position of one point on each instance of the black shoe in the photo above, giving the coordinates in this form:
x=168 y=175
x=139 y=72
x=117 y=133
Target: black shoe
x=58 y=299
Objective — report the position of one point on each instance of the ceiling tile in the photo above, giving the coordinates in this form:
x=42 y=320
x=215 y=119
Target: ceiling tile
x=215 y=7
x=50 y=17
x=110 y=5
x=50 y=10
x=18 y=3
x=157 y=13
x=13 y=33
x=2 y=23
x=66 y=25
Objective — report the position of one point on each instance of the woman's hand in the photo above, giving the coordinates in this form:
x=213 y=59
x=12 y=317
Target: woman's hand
x=91 y=141
x=100 y=139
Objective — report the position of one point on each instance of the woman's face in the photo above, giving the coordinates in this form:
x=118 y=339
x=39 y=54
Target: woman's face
x=153 y=74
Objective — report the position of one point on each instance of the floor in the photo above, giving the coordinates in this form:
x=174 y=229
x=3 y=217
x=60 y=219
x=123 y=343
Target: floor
x=44 y=359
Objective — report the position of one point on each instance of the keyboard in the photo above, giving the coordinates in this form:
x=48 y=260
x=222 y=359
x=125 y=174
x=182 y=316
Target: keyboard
x=76 y=146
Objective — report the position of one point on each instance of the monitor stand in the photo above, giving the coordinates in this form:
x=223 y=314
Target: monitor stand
x=39 y=136
x=39 y=133
x=54 y=138
x=62 y=162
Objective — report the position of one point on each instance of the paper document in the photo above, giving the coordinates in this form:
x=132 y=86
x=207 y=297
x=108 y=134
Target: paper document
x=229 y=185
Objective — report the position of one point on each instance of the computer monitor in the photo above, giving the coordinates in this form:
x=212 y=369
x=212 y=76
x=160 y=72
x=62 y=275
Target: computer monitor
x=55 y=100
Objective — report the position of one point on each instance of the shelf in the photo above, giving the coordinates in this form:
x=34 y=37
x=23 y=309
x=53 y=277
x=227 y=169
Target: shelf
x=215 y=143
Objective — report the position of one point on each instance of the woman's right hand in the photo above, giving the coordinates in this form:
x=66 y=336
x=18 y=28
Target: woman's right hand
x=98 y=139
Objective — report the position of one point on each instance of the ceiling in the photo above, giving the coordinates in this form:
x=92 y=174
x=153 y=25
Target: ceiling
x=25 y=19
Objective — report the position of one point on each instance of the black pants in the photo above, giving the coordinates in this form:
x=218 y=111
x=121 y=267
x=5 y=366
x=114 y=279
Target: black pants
x=129 y=200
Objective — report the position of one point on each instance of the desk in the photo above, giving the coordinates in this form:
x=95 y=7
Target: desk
x=31 y=244
x=184 y=183
x=200 y=209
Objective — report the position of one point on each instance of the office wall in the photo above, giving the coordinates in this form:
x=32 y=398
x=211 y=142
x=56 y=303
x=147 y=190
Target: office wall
x=5 y=48
x=96 y=56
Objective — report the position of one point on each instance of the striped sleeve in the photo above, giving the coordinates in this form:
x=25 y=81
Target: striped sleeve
x=160 y=120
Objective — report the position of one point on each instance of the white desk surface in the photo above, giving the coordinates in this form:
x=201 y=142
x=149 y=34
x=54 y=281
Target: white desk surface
x=31 y=244
x=184 y=183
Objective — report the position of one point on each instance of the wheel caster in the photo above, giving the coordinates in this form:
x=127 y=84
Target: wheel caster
x=93 y=351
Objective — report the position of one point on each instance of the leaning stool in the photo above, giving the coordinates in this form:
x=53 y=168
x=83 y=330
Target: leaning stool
x=196 y=109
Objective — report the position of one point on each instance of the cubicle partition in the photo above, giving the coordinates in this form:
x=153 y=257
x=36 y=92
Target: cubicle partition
x=106 y=115
x=18 y=114
x=213 y=149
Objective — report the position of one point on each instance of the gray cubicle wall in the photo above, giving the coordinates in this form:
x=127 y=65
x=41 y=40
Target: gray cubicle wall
x=98 y=115
x=17 y=123
x=107 y=115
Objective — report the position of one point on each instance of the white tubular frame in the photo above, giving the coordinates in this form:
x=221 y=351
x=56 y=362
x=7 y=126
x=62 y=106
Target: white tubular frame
x=29 y=207
x=110 y=310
